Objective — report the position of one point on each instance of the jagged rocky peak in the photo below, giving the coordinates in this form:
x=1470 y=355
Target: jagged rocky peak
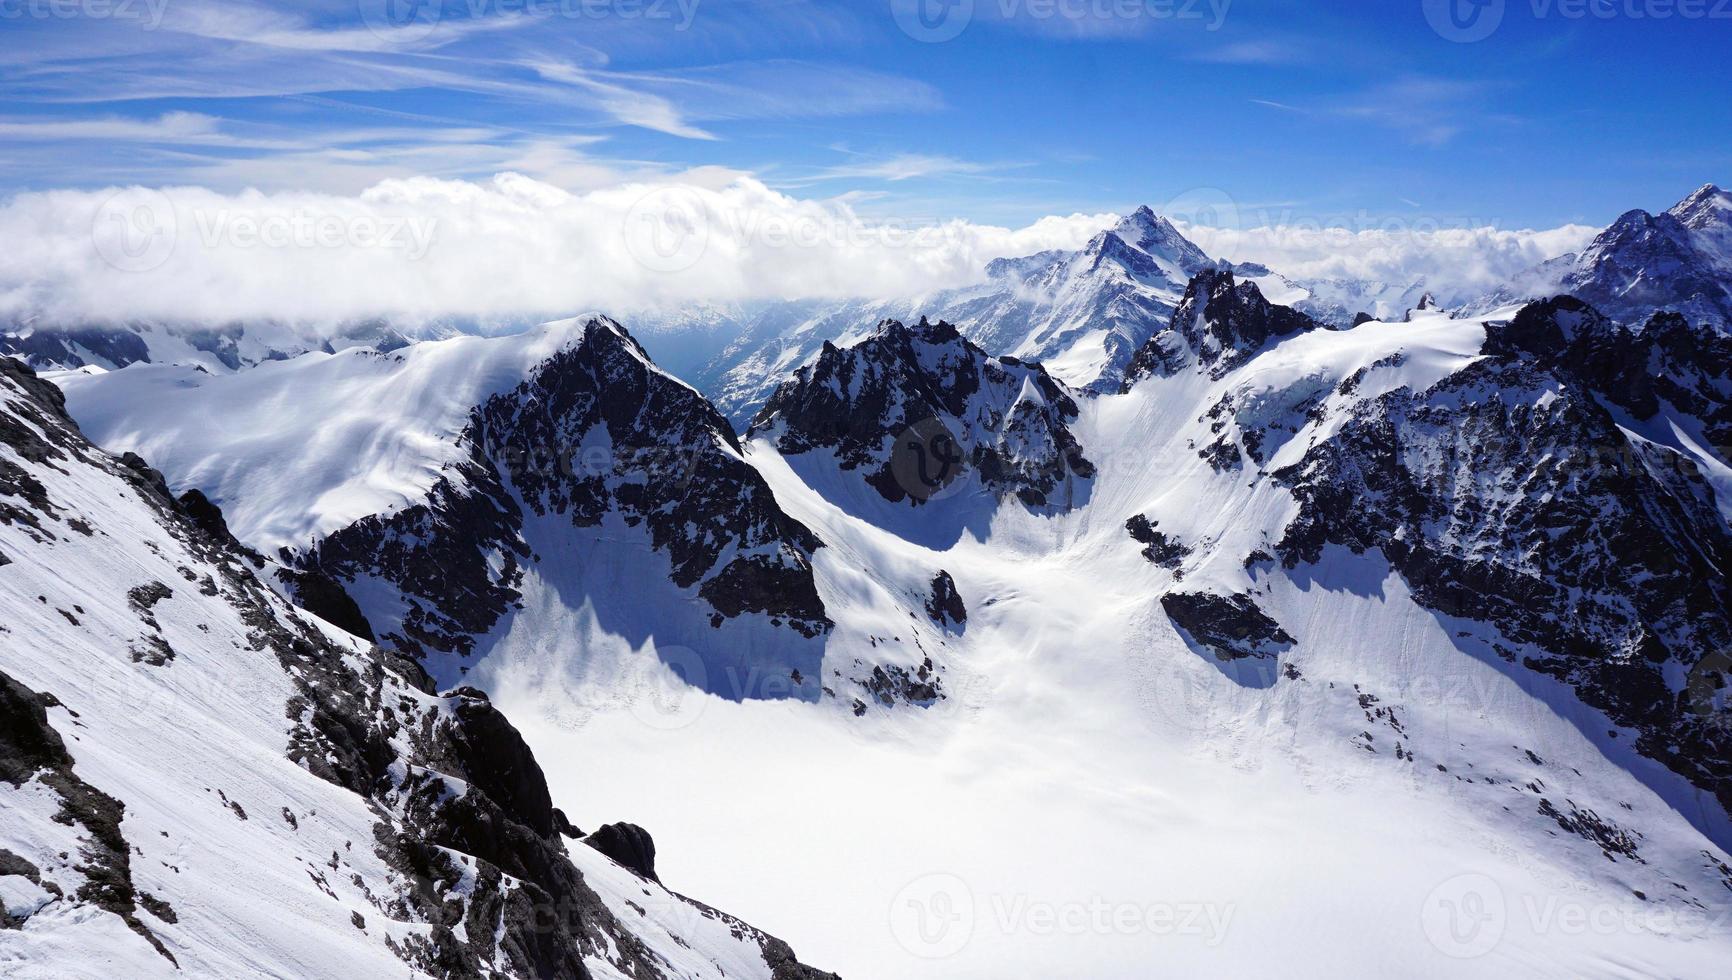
x=595 y=434
x=378 y=827
x=925 y=413
x=1678 y=260
x=1427 y=303
x=1220 y=324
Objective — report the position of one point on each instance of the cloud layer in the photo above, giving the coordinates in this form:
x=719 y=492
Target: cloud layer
x=505 y=249
x=1458 y=264
x=513 y=248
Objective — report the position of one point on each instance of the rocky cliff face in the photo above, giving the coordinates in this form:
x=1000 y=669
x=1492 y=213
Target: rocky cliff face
x=1517 y=492
x=1220 y=324
x=921 y=412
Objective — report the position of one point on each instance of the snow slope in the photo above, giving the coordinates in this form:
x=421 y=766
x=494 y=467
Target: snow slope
x=296 y=449
x=197 y=780
x=1099 y=797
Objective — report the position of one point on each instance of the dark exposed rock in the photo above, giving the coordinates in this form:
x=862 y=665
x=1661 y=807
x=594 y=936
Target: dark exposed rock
x=1220 y=324
x=629 y=845
x=208 y=517
x=919 y=409
x=30 y=748
x=1509 y=493
x=325 y=597
x=1612 y=840
x=497 y=761
x=1157 y=546
x=944 y=605
x=890 y=684
x=1233 y=627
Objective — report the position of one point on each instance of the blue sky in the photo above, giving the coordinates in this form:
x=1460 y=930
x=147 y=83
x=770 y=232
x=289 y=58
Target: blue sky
x=1358 y=113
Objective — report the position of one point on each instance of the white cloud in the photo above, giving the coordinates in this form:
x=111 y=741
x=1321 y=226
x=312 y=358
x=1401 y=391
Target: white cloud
x=1457 y=263
x=177 y=127
x=514 y=248
x=505 y=249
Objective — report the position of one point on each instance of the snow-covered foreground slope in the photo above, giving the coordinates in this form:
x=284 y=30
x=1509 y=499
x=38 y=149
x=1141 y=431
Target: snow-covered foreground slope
x=196 y=780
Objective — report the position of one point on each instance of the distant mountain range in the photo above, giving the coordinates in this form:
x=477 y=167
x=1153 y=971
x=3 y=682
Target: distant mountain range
x=1679 y=260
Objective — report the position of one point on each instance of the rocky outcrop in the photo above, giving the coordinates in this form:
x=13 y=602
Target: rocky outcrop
x=923 y=413
x=1220 y=324
x=944 y=606
x=1232 y=626
x=1158 y=547
x=629 y=845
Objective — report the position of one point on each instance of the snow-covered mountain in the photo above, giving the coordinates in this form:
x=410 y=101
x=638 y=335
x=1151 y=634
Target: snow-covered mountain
x=1679 y=260
x=199 y=780
x=466 y=497
x=217 y=349
x=1081 y=314
x=1372 y=621
x=925 y=414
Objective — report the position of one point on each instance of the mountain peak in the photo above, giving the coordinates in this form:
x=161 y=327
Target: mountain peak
x=1709 y=205
x=1148 y=232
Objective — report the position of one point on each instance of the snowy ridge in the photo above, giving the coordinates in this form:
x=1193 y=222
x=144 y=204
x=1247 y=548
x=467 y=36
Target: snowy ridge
x=198 y=780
